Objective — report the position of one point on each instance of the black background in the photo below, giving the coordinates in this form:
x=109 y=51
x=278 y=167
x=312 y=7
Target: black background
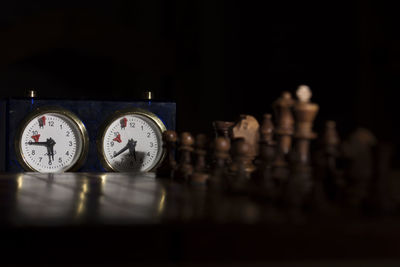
x=216 y=59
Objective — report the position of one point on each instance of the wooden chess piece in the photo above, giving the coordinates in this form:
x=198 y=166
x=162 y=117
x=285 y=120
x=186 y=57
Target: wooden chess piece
x=263 y=174
x=169 y=164
x=357 y=150
x=185 y=168
x=223 y=129
x=301 y=183
x=305 y=113
x=221 y=159
x=330 y=142
x=247 y=128
x=200 y=174
x=284 y=125
x=283 y=131
x=241 y=166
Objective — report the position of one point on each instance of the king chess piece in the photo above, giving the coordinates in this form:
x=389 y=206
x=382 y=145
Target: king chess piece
x=300 y=184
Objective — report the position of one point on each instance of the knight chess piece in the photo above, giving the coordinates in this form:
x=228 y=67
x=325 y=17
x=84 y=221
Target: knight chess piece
x=247 y=127
x=169 y=164
x=185 y=167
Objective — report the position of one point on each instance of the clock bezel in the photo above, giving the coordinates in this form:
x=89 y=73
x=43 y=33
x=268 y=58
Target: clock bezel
x=124 y=112
x=55 y=110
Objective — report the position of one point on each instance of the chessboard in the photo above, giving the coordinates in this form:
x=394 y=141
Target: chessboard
x=273 y=191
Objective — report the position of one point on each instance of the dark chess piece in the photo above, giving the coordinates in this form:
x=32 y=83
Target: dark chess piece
x=221 y=159
x=357 y=150
x=247 y=127
x=283 y=131
x=305 y=113
x=223 y=128
x=262 y=177
x=200 y=174
x=300 y=182
x=185 y=168
x=284 y=125
x=241 y=166
x=169 y=164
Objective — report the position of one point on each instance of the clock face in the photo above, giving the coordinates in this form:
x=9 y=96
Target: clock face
x=132 y=141
x=51 y=141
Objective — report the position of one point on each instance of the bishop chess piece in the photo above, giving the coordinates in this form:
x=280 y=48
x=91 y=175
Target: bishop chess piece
x=168 y=167
x=185 y=167
x=200 y=174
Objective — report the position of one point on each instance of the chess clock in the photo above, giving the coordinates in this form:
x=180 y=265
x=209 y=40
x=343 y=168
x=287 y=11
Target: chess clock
x=51 y=139
x=131 y=140
x=56 y=135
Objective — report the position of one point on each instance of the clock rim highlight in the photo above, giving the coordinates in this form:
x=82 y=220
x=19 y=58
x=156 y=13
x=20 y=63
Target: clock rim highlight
x=124 y=112
x=83 y=136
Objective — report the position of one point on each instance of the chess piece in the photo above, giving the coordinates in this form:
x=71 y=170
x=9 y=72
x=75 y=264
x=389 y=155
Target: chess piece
x=241 y=166
x=263 y=174
x=221 y=158
x=169 y=164
x=200 y=175
x=223 y=128
x=305 y=113
x=357 y=150
x=247 y=128
x=242 y=157
x=330 y=142
x=185 y=168
x=285 y=125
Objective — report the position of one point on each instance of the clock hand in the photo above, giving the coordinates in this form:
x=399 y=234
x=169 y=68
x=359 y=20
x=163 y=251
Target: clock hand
x=132 y=147
x=121 y=151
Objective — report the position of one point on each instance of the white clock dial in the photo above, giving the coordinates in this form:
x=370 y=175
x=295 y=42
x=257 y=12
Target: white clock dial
x=132 y=141
x=51 y=141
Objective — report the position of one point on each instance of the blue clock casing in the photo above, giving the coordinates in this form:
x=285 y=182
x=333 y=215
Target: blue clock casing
x=92 y=113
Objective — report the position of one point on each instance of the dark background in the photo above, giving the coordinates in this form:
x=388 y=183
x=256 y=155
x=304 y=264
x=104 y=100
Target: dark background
x=216 y=59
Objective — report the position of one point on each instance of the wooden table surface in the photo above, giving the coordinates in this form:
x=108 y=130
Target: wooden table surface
x=116 y=218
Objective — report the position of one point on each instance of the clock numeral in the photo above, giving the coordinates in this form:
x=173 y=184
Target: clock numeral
x=33 y=152
x=59 y=159
x=40 y=159
x=67 y=134
x=148 y=135
x=67 y=153
x=35 y=132
x=151 y=144
x=70 y=143
x=112 y=143
x=148 y=154
x=50 y=163
x=51 y=123
x=61 y=126
x=132 y=124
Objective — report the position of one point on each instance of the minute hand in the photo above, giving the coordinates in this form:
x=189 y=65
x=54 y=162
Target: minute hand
x=116 y=154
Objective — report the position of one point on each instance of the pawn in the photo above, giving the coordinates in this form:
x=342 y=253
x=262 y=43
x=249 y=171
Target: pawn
x=241 y=166
x=263 y=174
x=221 y=158
x=200 y=175
x=169 y=164
x=185 y=168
